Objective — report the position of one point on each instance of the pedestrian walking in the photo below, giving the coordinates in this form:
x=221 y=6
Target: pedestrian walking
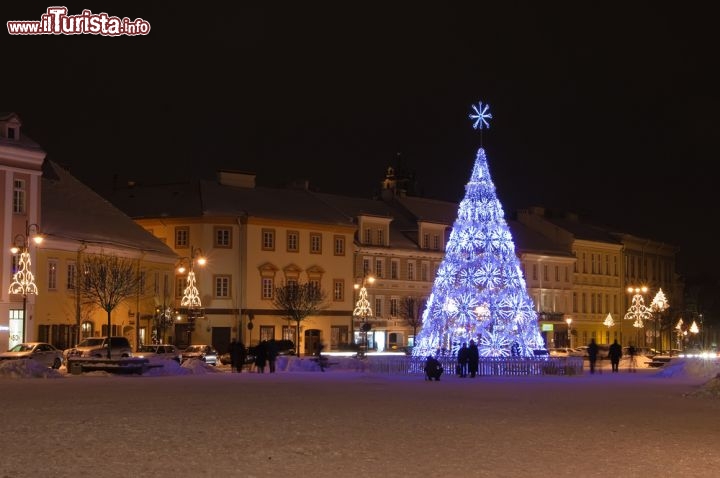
x=271 y=353
x=473 y=359
x=260 y=357
x=632 y=352
x=615 y=352
x=238 y=356
x=592 y=354
x=233 y=354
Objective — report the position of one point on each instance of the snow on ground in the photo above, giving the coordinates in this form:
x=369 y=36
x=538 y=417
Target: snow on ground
x=198 y=421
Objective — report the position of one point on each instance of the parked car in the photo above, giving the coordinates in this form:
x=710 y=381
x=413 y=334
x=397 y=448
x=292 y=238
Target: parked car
x=164 y=351
x=560 y=351
x=206 y=353
x=96 y=347
x=41 y=352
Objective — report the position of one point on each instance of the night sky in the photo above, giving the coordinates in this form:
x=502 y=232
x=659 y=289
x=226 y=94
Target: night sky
x=606 y=109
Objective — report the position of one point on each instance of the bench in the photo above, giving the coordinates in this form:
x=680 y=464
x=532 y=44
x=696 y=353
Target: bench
x=77 y=366
x=323 y=362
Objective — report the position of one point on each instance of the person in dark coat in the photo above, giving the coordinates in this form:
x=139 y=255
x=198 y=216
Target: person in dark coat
x=433 y=369
x=462 y=360
x=260 y=357
x=473 y=359
x=592 y=354
x=238 y=355
x=271 y=353
x=233 y=355
x=615 y=352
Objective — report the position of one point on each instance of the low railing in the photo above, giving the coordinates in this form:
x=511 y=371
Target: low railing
x=488 y=366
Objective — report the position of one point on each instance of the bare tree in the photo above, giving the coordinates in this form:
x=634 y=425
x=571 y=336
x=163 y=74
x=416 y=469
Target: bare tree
x=411 y=309
x=107 y=281
x=299 y=301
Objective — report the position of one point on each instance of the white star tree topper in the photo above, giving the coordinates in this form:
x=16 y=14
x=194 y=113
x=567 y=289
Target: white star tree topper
x=481 y=115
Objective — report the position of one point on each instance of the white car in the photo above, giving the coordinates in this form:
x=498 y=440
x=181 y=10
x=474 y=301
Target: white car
x=163 y=351
x=41 y=352
x=560 y=351
x=206 y=353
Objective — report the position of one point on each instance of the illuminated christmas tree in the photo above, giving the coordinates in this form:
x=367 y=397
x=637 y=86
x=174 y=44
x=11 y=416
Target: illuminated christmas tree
x=479 y=292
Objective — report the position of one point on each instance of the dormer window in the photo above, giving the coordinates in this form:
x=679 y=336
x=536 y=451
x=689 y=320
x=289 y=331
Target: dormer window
x=11 y=133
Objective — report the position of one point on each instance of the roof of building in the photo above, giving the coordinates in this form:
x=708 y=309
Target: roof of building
x=73 y=211
x=527 y=240
x=582 y=230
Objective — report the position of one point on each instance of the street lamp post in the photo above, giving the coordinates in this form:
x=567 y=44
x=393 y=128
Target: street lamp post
x=637 y=311
x=569 y=334
x=23 y=280
x=658 y=305
x=363 y=312
x=191 y=295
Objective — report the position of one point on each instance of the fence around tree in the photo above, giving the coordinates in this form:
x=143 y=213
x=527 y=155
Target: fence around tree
x=488 y=366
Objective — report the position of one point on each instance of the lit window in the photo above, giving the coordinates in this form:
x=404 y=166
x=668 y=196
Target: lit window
x=182 y=237
x=338 y=290
x=339 y=243
x=52 y=275
x=267 y=288
x=268 y=239
x=293 y=241
x=315 y=243
x=223 y=237
x=222 y=286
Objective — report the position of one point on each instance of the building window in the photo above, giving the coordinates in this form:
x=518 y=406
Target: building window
x=394 y=270
x=267 y=287
x=315 y=243
x=268 y=239
x=534 y=269
x=368 y=236
x=180 y=285
x=267 y=332
x=436 y=242
x=366 y=267
x=71 y=271
x=379 y=268
x=338 y=290
x=19 y=196
x=411 y=271
x=424 y=271
x=545 y=273
x=339 y=242
x=52 y=275
x=557 y=273
x=141 y=282
x=394 y=307
x=182 y=237
x=223 y=237
x=288 y=332
x=222 y=287
x=293 y=241
x=378 y=306
x=380 y=237
x=426 y=241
